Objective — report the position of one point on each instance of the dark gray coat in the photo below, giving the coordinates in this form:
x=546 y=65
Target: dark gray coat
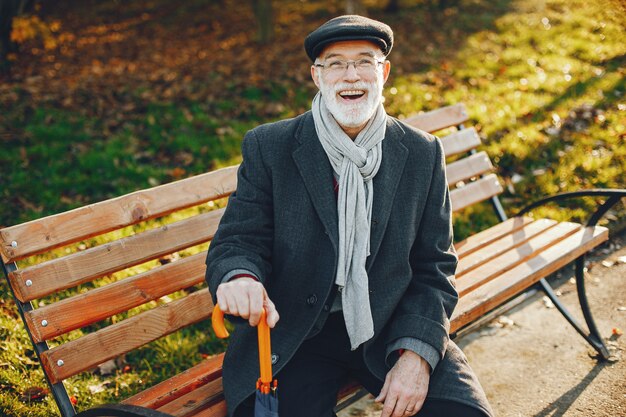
x=281 y=224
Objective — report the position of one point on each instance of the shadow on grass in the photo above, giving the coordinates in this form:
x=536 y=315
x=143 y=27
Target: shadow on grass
x=579 y=88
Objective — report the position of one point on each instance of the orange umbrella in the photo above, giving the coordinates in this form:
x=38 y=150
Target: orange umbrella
x=266 y=404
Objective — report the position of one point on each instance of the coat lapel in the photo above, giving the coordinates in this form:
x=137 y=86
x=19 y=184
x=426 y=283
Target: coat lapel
x=386 y=183
x=316 y=172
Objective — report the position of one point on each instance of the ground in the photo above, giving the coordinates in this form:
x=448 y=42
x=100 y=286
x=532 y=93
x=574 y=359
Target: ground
x=532 y=363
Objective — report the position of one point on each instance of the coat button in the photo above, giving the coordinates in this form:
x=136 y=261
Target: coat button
x=326 y=307
x=311 y=300
x=275 y=358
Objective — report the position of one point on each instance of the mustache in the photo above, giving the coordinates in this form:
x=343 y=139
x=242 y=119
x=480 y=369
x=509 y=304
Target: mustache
x=359 y=85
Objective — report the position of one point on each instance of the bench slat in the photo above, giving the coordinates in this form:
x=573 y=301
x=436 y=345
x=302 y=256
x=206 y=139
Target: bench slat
x=435 y=120
x=196 y=400
x=460 y=142
x=510 y=259
x=122 y=337
x=100 y=303
x=470 y=167
x=506 y=243
x=69 y=271
x=53 y=231
x=496 y=292
x=475 y=192
x=481 y=239
x=216 y=410
x=180 y=384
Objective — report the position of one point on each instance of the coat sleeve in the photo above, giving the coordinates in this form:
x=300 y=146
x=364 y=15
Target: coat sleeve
x=425 y=309
x=244 y=237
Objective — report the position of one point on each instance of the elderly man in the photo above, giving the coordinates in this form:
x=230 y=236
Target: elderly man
x=340 y=228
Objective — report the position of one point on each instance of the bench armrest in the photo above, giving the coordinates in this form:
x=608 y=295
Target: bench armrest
x=614 y=195
x=121 y=410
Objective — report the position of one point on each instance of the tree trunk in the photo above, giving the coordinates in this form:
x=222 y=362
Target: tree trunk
x=392 y=6
x=8 y=10
x=265 y=19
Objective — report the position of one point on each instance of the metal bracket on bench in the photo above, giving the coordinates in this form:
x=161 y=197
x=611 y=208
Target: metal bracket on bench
x=614 y=195
x=121 y=410
x=58 y=390
x=594 y=338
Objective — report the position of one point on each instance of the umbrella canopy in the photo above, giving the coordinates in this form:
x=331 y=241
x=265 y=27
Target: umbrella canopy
x=266 y=405
x=266 y=401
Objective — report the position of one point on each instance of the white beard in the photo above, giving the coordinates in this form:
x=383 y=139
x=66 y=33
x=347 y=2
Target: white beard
x=357 y=114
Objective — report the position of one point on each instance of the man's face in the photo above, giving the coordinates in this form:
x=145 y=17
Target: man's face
x=351 y=94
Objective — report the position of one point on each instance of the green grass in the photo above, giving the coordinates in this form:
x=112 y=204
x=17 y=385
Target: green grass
x=521 y=68
x=64 y=161
x=521 y=80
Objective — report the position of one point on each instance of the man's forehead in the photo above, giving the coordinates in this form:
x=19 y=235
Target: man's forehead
x=351 y=48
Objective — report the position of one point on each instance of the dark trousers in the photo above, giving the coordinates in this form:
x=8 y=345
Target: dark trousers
x=309 y=383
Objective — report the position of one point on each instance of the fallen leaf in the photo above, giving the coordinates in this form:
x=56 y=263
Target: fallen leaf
x=172 y=257
x=96 y=388
x=504 y=321
x=617 y=331
x=547 y=302
x=107 y=367
x=34 y=394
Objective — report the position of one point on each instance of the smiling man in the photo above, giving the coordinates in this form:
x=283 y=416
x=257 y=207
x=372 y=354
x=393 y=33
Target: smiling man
x=340 y=228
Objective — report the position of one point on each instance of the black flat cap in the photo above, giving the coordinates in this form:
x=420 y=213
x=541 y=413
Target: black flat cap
x=349 y=28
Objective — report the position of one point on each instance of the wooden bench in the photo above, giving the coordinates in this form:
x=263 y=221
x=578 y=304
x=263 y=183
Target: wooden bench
x=495 y=265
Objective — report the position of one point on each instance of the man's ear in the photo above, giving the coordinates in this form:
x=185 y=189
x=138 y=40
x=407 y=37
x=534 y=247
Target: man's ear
x=314 y=75
x=386 y=70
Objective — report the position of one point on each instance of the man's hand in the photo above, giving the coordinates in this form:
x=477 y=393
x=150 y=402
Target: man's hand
x=246 y=297
x=406 y=386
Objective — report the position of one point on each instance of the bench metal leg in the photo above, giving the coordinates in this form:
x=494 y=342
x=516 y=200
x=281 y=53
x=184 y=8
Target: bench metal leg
x=592 y=337
x=58 y=390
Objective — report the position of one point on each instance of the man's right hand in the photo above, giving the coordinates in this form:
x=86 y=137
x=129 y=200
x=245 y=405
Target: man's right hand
x=246 y=297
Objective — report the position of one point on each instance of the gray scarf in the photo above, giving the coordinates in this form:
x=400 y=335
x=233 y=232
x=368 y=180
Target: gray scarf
x=355 y=164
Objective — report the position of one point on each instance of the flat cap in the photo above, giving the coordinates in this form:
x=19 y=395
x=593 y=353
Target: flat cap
x=349 y=28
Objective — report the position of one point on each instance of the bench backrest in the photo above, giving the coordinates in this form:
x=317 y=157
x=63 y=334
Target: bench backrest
x=130 y=241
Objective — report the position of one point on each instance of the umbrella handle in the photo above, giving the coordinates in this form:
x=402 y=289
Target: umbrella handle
x=265 y=346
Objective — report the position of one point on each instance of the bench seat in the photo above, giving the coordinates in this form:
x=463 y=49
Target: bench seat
x=494 y=265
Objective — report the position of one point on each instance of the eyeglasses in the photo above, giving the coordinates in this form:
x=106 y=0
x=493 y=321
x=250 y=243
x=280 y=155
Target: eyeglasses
x=338 y=67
